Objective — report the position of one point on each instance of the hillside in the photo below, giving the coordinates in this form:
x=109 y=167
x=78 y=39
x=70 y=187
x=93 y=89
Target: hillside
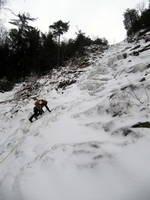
x=95 y=144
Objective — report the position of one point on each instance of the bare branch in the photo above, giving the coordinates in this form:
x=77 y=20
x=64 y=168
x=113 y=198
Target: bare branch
x=141 y=6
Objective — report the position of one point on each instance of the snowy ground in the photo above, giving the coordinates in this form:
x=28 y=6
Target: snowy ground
x=86 y=149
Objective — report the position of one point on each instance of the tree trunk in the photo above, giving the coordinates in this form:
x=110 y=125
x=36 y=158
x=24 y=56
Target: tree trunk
x=58 y=53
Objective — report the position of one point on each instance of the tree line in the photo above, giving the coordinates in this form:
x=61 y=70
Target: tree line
x=25 y=50
x=137 y=19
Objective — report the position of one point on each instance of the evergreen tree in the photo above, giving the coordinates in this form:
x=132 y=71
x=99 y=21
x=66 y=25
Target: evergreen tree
x=58 y=29
x=48 y=55
x=24 y=43
x=145 y=18
x=82 y=41
x=131 y=19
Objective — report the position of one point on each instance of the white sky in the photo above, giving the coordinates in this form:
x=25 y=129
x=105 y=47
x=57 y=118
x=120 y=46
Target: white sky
x=102 y=18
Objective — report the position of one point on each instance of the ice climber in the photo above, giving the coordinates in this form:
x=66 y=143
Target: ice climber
x=38 y=108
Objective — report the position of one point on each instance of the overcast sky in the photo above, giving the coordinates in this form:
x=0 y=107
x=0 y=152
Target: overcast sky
x=102 y=18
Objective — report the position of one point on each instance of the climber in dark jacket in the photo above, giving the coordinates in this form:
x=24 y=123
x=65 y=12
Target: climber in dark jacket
x=38 y=108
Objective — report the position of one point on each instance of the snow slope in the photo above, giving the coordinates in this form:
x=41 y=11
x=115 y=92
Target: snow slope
x=86 y=148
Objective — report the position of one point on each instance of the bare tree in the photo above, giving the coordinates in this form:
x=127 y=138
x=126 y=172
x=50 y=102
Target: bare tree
x=2 y=3
x=141 y=6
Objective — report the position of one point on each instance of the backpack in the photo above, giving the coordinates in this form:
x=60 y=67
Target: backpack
x=41 y=102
